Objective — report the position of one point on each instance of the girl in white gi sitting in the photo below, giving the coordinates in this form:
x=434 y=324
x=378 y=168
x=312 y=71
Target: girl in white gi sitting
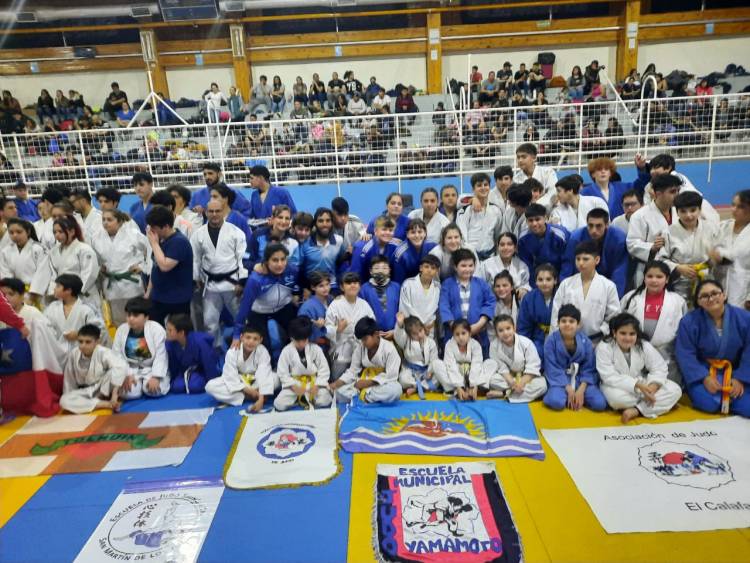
x=514 y=370
x=374 y=369
x=141 y=343
x=247 y=373
x=420 y=354
x=506 y=303
x=302 y=370
x=93 y=375
x=460 y=371
x=633 y=374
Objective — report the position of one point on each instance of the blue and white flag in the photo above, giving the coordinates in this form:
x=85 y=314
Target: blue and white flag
x=480 y=429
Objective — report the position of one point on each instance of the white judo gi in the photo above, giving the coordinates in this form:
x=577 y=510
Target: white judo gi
x=547 y=176
x=645 y=225
x=92 y=225
x=458 y=369
x=118 y=254
x=21 y=264
x=243 y=372
x=415 y=301
x=672 y=310
x=80 y=314
x=619 y=375
x=77 y=258
x=597 y=307
x=517 y=269
x=573 y=218
x=86 y=383
x=291 y=371
x=516 y=361
x=219 y=268
x=419 y=357
x=480 y=229
x=344 y=343
x=735 y=273
x=383 y=368
x=143 y=369
x=434 y=225
x=513 y=223
x=446 y=265
x=688 y=247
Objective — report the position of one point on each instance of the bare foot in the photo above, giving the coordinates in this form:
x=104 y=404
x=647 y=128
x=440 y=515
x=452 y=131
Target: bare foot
x=116 y=406
x=494 y=394
x=410 y=391
x=629 y=414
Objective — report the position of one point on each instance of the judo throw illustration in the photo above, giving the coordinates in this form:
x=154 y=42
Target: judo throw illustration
x=687 y=465
x=284 y=442
x=442 y=513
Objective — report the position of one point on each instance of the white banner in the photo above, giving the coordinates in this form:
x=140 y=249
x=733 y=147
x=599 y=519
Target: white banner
x=161 y=521
x=284 y=448
x=679 y=477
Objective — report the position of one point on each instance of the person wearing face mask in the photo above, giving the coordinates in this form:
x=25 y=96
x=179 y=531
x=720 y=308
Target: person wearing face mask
x=382 y=294
x=407 y=257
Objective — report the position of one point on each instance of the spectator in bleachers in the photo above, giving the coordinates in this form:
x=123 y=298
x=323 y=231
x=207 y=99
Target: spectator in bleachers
x=77 y=104
x=590 y=76
x=8 y=103
x=317 y=90
x=214 y=98
x=335 y=87
x=299 y=111
x=505 y=76
x=489 y=90
x=45 y=106
x=380 y=101
x=372 y=90
x=475 y=79
x=27 y=207
x=299 y=91
x=537 y=82
x=212 y=176
x=124 y=115
x=278 y=96
x=405 y=104
x=356 y=105
x=114 y=101
x=352 y=84
x=520 y=81
x=631 y=86
x=576 y=84
x=143 y=184
x=260 y=95
x=614 y=138
x=234 y=104
x=62 y=106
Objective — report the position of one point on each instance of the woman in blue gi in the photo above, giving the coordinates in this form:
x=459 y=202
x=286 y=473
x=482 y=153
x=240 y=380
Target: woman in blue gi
x=394 y=207
x=409 y=253
x=570 y=366
x=535 y=312
x=192 y=358
x=713 y=352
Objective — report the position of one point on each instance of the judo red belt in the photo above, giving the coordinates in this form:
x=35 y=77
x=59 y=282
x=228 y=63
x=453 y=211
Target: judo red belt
x=446 y=512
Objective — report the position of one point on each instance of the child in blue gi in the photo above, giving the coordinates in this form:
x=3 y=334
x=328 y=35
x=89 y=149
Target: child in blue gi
x=192 y=358
x=315 y=308
x=535 y=312
x=382 y=295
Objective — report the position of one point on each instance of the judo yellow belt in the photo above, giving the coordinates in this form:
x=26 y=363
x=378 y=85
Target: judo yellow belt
x=307 y=380
x=726 y=384
x=702 y=269
x=368 y=373
x=248 y=378
x=544 y=328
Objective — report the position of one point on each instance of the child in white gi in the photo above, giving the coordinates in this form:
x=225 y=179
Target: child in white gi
x=68 y=313
x=341 y=317
x=141 y=343
x=247 y=373
x=302 y=370
x=420 y=295
x=93 y=375
x=374 y=369
x=633 y=374
x=460 y=371
x=420 y=354
x=514 y=370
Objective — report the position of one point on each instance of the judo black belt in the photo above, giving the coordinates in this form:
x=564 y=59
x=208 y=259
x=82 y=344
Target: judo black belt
x=227 y=276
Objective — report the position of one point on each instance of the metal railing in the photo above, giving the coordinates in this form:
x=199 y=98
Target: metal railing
x=396 y=147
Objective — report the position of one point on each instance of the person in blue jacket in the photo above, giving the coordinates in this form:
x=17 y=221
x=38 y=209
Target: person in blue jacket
x=143 y=184
x=713 y=346
x=26 y=207
x=277 y=230
x=394 y=206
x=268 y=294
x=265 y=197
x=316 y=306
x=543 y=243
x=191 y=355
x=407 y=256
x=381 y=243
x=614 y=258
x=382 y=294
x=602 y=170
x=570 y=366
x=323 y=251
x=213 y=177
x=535 y=311
x=465 y=296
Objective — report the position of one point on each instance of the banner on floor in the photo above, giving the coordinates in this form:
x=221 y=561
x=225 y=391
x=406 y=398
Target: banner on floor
x=479 y=429
x=679 y=477
x=88 y=443
x=447 y=512
x=281 y=449
x=164 y=521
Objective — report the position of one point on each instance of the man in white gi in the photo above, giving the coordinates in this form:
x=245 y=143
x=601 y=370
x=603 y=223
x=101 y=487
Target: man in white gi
x=481 y=221
x=528 y=168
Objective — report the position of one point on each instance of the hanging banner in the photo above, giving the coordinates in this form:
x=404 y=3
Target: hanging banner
x=159 y=521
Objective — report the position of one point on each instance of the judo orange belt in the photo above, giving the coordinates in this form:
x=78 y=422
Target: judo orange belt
x=368 y=373
x=726 y=384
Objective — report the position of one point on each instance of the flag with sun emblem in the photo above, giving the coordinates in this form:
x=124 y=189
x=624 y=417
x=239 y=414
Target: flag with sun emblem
x=281 y=449
x=481 y=429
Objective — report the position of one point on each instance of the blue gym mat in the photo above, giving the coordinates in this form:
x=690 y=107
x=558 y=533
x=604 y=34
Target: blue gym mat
x=287 y=525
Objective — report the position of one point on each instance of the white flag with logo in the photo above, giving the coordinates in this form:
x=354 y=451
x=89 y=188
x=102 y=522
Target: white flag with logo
x=680 y=477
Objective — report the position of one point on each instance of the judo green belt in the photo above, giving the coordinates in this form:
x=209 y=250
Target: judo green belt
x=115 y=276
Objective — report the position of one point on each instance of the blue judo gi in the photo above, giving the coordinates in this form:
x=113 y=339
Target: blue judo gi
x=406 y=259
x=549 y=249
x=481 y=303
x=616 y=189
x=275 y=196
x=364 y=251
x=399 y=232
x=191 y=367
x=27 y=210
x=203 y=195
x=534 y=319
x=385 y=313
x=613 y=261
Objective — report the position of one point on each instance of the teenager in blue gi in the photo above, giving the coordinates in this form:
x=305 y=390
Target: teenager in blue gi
x=191 y=355
x=213 y=177
x=614 y=258
x=712 y=339
x=382 y=295
x=465 y=296
x=601 y=171
x=570 y=366
x=394 y=206
x=380 y=244
x=409 y=253
x=323 y=251
x=265 y=197
x=25 y=206
x=268 y=295
x=535 y=311
x=543 y=243
x=143 y=185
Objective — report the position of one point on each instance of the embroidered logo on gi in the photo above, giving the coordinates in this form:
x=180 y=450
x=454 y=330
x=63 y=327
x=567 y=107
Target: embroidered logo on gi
x=687 y=465
x=435 y=424
x=285 y=442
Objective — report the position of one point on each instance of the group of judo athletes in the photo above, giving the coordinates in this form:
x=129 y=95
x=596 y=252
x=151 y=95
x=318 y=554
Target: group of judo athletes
x=444 y=285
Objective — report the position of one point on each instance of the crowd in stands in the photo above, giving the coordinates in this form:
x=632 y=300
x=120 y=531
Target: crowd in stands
x=606 y=294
